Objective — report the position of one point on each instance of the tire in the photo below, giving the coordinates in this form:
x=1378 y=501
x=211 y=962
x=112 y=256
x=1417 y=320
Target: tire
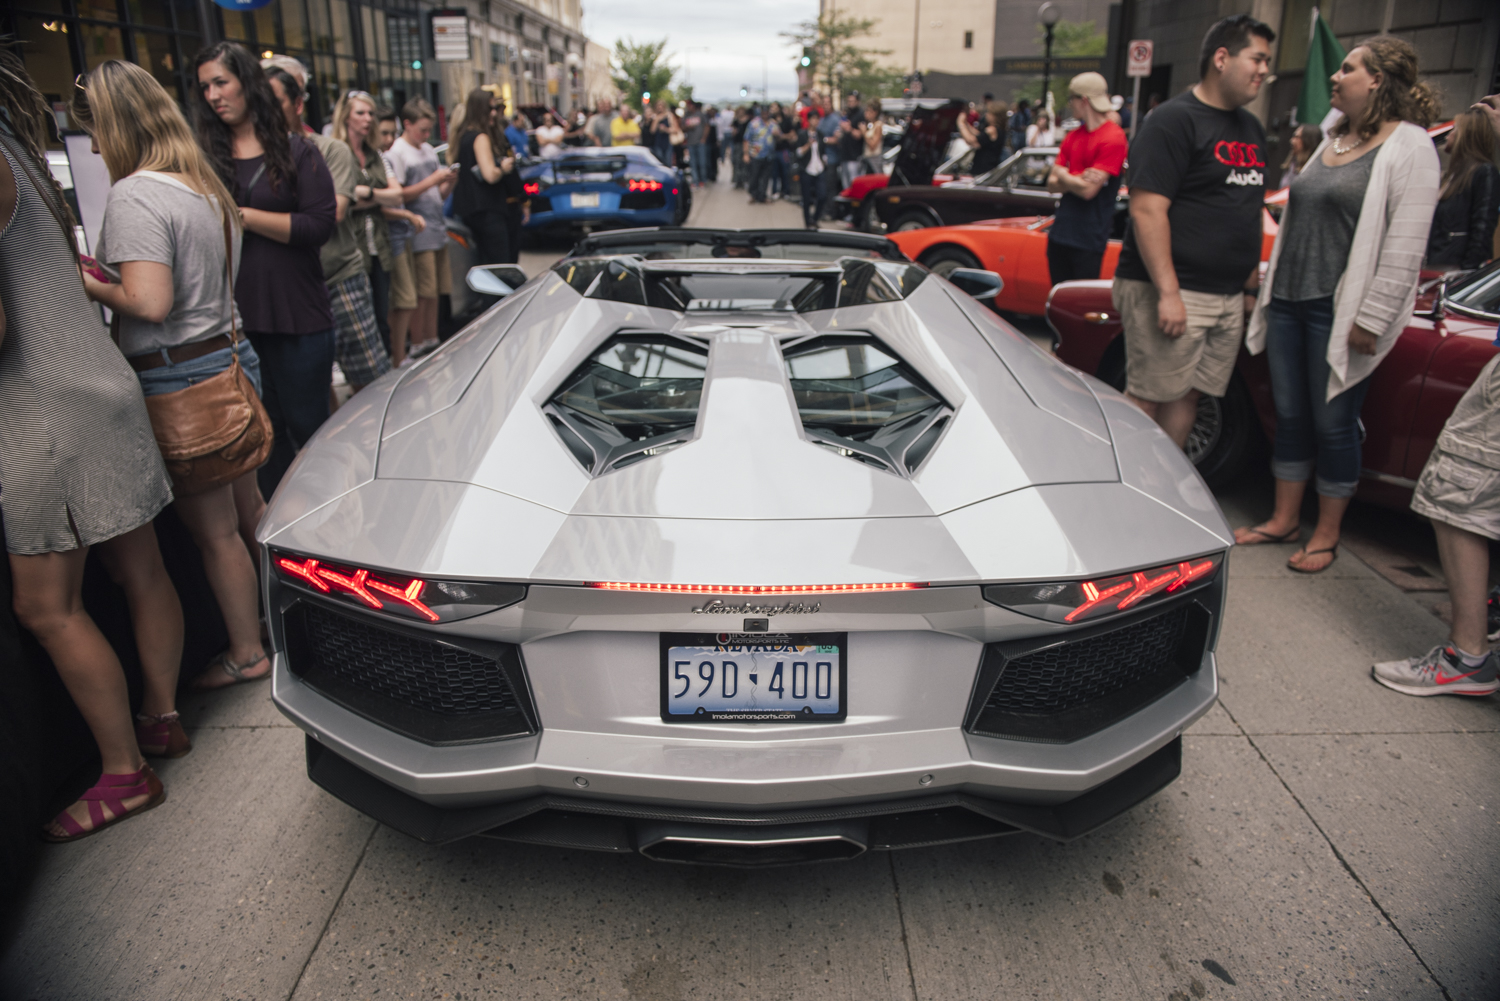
x=1223 y=438
x=911 y=221
x=946 y=260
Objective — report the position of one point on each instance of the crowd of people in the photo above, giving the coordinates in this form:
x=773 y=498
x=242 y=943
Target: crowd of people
x=246 y=253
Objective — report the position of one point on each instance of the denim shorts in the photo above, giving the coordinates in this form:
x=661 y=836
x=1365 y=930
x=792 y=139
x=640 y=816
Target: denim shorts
x=170 y=378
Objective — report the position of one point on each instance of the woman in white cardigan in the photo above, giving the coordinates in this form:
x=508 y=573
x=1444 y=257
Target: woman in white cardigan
x=1341 y=283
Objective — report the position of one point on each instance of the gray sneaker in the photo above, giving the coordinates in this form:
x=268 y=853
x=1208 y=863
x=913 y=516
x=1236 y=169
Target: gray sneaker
x=1440 y=672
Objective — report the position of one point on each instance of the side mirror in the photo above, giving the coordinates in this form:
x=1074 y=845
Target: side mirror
x=981 y=285
x=495 y=279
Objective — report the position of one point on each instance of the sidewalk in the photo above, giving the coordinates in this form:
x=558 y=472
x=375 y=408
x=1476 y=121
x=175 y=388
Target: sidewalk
x=1328 y=839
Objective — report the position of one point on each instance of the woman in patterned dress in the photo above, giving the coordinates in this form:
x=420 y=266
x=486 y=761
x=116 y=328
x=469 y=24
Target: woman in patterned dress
x=79 y=468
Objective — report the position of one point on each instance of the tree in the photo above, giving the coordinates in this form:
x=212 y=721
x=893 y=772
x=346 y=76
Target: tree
x=841 y=65
x=1070 y=39
x=633 y=63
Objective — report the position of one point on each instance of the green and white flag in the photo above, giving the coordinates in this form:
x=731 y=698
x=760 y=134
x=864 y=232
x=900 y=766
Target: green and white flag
x=1324 y=55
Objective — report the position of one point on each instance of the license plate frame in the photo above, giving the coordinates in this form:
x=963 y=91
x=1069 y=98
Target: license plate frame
x=584 y=200
x=755 y=714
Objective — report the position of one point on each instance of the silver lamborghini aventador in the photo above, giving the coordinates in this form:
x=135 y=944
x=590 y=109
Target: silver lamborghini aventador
x=748 y=549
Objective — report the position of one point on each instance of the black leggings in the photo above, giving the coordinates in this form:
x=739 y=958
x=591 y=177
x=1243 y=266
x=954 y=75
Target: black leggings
x=491 y=237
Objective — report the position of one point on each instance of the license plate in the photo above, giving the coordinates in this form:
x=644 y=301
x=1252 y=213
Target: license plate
x=589 y=200
x=753 y=677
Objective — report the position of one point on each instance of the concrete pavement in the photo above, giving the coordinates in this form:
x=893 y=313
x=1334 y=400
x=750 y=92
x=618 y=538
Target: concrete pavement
x=1328 y=838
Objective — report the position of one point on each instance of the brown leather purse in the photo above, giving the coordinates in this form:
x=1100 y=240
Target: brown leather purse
x=216 y=431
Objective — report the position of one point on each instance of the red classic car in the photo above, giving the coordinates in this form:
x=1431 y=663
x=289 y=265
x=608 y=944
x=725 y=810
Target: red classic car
x=1450 y=337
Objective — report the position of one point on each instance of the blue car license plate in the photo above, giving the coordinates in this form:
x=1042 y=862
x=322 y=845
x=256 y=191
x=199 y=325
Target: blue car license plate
x=590 y=200
x=753 y=677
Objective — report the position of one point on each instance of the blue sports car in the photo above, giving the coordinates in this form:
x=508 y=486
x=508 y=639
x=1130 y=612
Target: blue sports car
x=591 y=188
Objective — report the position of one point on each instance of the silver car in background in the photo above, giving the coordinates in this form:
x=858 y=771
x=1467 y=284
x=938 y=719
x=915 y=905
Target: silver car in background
x=745 y=550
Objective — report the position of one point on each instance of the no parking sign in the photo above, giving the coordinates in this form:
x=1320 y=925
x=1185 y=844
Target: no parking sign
x=1138 y=62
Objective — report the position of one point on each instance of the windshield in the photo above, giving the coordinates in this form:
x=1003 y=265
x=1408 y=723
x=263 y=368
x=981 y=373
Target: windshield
x=1476 y=292
x=1024 y=170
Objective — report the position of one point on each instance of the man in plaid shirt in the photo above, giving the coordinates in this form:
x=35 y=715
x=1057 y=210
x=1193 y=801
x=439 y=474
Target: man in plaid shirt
x=760 y=145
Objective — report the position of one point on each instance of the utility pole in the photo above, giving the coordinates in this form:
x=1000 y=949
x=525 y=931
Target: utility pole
x=916 y=33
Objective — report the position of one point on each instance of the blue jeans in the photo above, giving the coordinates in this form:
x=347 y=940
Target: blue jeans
x=171 y=378
x=1312 y=432
x=296 y=373
x=698 y=155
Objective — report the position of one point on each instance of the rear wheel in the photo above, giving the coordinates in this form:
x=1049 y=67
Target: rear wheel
x=1222 y=438
x=946 y=260
x=911 y=221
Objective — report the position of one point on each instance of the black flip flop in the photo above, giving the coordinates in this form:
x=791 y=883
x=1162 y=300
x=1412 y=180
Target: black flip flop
x=1267 y=539
x=1315 y=552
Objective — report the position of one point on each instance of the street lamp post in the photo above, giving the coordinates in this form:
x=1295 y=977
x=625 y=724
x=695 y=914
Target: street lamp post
x=1049 y=14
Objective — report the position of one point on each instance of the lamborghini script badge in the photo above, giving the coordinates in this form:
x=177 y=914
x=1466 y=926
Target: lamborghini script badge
x=717 y=607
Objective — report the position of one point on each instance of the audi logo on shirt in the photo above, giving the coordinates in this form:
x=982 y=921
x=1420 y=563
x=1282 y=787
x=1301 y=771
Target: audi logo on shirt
x=1238 y=154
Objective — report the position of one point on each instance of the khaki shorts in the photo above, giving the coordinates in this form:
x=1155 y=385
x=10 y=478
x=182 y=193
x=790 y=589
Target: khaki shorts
x=1161 y=369
x=432 y=272
x=403 y=280
x=1459 y=492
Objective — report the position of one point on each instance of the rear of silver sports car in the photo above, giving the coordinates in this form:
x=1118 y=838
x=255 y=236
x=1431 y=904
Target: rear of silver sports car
x=635 y=665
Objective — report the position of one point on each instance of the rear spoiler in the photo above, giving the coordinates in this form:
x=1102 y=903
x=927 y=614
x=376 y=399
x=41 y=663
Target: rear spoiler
x=604 y=243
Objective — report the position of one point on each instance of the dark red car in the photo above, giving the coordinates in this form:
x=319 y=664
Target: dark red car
x=1450 y=337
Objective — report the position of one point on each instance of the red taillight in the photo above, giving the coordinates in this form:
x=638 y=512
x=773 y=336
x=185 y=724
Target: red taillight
x=358 y=583
x=532 y=188
x=643 y=184
x=612 y=585
x=1077 y=601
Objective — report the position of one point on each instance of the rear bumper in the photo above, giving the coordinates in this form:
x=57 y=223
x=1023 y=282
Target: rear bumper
x=615 y=826
x=603 y=219
x=692 y=770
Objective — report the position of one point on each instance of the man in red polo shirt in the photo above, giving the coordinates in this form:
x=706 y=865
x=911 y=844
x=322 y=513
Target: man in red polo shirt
x=1087 y=175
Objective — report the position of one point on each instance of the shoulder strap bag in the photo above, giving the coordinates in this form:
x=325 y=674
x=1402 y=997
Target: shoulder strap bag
x=215 y=431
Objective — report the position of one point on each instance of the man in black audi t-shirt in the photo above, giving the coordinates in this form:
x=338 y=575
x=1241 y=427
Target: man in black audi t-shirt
x=1192 y=250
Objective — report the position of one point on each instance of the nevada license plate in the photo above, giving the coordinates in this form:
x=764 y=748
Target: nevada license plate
x=589 y=200
x=753 y=677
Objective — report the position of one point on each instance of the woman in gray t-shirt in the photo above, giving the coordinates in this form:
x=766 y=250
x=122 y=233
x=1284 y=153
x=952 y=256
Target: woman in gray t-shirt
x=170 y=242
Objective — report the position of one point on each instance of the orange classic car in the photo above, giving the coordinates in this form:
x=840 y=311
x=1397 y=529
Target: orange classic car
x=1016 y=250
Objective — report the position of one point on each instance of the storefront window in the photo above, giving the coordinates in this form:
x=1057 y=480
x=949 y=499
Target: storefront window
x=150 y=12
x=237 y=26
x=102 y=10
x=154 y=52
x=293 y=23
x=343 y=37
x=44 y=46
x=101 y=44
x=322 y=28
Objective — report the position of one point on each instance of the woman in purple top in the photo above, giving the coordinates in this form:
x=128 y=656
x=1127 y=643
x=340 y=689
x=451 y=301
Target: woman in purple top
x=286 y=200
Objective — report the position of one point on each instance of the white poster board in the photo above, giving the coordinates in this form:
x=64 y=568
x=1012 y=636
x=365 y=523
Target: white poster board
x=450 y=37
x=90 y=185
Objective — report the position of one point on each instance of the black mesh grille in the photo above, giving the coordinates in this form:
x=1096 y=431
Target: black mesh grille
x=434 y=690
x=1073 y=689
x=643 y=200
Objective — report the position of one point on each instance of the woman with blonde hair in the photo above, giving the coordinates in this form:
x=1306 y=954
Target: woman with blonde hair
x=170 y=243
x=1340 y=285
x=81 y=471
x=354 y=124
x=1464 y=224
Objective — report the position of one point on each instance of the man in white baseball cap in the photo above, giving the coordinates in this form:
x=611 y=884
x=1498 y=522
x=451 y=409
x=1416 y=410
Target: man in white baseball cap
x=1087 y=175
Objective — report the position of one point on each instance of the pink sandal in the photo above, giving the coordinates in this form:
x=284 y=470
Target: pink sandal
x=161 y=736
x=110 y=791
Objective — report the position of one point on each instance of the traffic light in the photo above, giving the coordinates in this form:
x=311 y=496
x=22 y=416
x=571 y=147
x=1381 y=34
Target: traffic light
x=807 y=56
x=744 y=91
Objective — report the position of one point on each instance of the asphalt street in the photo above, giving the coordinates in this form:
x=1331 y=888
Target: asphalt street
x=1327 y=839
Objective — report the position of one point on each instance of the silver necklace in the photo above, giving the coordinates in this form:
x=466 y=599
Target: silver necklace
x=1340 y=151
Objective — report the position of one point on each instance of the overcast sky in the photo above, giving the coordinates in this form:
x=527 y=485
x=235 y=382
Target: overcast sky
x=722 y=41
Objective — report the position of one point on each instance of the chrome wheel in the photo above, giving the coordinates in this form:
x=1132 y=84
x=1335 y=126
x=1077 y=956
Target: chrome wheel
x=1207 y=429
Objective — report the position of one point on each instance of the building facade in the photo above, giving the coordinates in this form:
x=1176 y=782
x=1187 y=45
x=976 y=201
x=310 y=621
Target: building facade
x=532 y=49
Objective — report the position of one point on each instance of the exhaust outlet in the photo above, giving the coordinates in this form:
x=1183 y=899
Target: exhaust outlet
x=752 y=847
